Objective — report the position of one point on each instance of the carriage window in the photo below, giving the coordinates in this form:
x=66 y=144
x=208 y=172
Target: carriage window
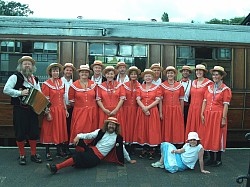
x=38 y=47
x=125 y=50
x=204 y=52
x=7 y=46
x=110 y=49
x=50 y=47
x=224 y=53
x=184 y=52
x=139 y=51
x=96 y=49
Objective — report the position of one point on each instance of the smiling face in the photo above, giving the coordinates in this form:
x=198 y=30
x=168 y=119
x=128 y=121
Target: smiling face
x=111 y=127
x=170 y=75
x=84 y=74
x=122 y=69
x=185 y=73
x=148 y=78
x=97 y=69
x=55 y=72
x=110 y=75
x=26 y=68
x=199 y=73
x=217 y=76
x=193 y=142
x=157 y=72
x=133 y=76
x=67 y=72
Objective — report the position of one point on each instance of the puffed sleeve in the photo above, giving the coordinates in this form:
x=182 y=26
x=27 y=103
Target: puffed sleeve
x=158 y=93
x=122 y=92
x=182 y=93
x=138 y=93
x=205 y=94
x=71 y=94
x=98 y=93
x=227 y=95
x=46 y=90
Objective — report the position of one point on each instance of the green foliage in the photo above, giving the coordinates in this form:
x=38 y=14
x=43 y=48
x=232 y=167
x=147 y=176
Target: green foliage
x=13 y=8
x=165 y=17
x=232 y=21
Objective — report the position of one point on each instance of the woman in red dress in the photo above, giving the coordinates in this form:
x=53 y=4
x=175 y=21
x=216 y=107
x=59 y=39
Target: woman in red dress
x=83 y=94
x=130 y=105
x=54 y=128
x=214 y=116
x=147 y=131
x=198 y=89
x=110 y=97
x=172 y=108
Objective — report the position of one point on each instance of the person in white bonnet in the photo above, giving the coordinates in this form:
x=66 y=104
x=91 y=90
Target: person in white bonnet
x=174 y=160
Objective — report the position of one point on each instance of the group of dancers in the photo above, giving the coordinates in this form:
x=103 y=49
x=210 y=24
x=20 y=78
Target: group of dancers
x=148 y=112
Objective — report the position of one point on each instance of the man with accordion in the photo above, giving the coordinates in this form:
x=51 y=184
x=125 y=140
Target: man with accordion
x=25 y=120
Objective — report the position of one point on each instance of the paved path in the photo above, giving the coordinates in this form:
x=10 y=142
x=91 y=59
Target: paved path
x=235 y=163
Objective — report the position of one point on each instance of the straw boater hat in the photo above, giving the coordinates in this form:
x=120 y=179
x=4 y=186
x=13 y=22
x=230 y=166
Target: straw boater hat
x=112 y=119
x=147 y=71
x=109 y=68
x=84 y=68
x=120 y=64
x=156 y=65
x=133 y=68
x=193 y=136
x=201 y=67
x=218 y=68
x=52 y=65
x=27 y=58
x=97 y=62
x=170 y=68
x=69 y=65
x=186 y=68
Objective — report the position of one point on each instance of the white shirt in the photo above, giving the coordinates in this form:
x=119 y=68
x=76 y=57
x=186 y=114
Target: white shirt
x=106 y=144
x=67 y=86
x=126 y=79
x=187 y=87
x=191 y=155
x=157 y=83
x=11 y=82
x=97 y=80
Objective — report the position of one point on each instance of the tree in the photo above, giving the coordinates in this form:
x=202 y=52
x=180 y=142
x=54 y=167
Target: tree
x=232 y=21
x=165 y=17
x=13 y=8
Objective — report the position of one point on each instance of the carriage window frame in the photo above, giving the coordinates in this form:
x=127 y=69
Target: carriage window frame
x=185 y=52
x=224 y=53
x=45 y=47
x=15 y=46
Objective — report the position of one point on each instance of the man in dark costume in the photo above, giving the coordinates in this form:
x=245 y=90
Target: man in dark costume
x=107 y=145
x=25 y=120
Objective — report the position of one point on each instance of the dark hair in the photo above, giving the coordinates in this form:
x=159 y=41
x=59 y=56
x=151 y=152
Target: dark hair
x=198 y=142
x=132 y=72
x=220 y=72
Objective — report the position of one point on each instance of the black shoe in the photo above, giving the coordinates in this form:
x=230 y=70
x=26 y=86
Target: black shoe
x=143 y=154
x=217 y=164
x=22 y=160
x=52 y=168
x=209 y=162
x=48 y=157
x=151 y=156
x=36 y=158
